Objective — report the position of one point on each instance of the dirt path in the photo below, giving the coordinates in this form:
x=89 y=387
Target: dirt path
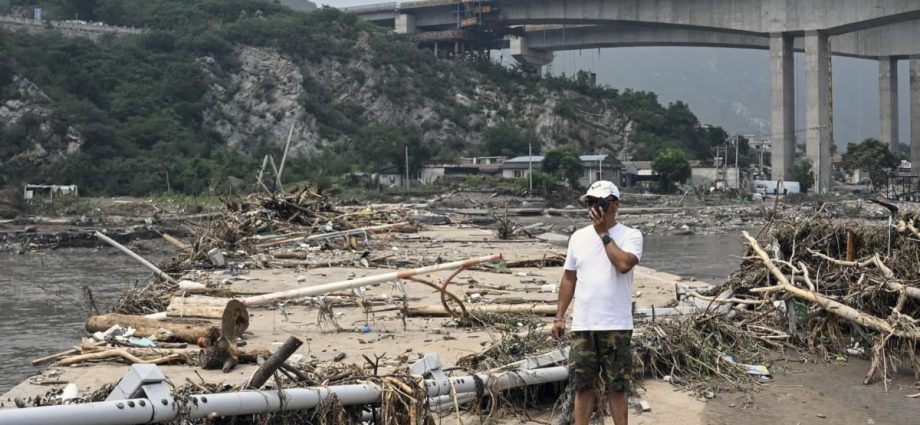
x=824 y=393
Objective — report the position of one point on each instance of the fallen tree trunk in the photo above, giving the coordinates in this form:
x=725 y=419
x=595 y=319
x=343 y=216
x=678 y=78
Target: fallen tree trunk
x=827 y=304
x=439 y=311
x=147 y=327
x=233 y=314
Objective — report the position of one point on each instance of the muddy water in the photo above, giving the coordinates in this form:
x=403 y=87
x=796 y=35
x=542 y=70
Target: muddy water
x=42 y=309
x=709 y=258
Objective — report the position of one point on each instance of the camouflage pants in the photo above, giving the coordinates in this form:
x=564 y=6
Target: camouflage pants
x=601 y=354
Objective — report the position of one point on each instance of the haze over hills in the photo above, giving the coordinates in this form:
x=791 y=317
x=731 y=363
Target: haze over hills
x=731 y=87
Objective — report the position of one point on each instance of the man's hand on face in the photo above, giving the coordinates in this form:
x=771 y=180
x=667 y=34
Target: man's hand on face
x=599 y=221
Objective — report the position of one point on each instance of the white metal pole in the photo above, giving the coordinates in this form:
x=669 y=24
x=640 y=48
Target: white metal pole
x=368 y=280
x=407 y=166
x=140 y=259
x=142 y=410
x=287 y=146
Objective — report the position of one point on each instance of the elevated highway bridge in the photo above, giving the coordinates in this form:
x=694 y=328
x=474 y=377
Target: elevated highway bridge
x=886 y=31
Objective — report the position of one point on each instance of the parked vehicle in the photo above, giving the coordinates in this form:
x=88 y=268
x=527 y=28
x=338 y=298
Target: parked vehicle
x=769 y=187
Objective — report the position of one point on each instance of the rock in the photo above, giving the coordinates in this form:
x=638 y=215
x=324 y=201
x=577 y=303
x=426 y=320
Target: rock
x=684 y=230
x=554 y=238
x=433 y=219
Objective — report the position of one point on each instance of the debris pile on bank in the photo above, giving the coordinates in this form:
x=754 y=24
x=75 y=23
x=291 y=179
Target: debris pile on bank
x=818 y=286
x=814 y=285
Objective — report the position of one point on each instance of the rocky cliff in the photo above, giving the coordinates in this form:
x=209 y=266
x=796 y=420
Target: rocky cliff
x=193 y=101
x=265 y=97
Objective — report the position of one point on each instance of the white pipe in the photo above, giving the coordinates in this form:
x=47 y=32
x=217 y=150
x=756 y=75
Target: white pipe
x=142 y=410
x=140 y=259
x=368 y=280
x=312 y=291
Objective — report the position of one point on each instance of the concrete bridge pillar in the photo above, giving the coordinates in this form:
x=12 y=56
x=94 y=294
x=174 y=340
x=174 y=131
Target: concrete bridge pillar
x=915 y=116
x=522 y=53
x=888 y=101
x=818 y=133
x=782 y=116
x=405 y=24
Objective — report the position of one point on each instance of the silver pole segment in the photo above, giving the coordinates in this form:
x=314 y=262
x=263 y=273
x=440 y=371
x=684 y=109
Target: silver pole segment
x=131 y=254
x=354 y=283
x=141 y=410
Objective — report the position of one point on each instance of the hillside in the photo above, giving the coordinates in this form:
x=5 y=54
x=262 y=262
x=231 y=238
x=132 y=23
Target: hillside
x=212 y=86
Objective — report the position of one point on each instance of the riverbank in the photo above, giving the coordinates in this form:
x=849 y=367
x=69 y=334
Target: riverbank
x=345 y=326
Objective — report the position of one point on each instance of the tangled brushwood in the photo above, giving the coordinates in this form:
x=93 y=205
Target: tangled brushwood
x=830 y=288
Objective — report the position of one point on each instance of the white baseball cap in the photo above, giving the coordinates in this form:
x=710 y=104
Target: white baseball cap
x=601 y=189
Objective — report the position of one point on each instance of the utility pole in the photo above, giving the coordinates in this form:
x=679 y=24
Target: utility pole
x=600 y=168
x=530 y=165
x=407 y=167
x=737 y=170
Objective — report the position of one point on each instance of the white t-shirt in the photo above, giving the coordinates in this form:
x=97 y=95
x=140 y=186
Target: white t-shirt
x=603 y=295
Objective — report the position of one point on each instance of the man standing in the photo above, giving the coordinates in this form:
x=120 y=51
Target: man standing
x=599 y=274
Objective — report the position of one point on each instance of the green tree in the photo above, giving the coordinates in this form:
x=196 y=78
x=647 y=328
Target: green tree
x=801 y=172
x=506 y=139
x=671 y=166
x=564 y=164
x=873 y=156
x=385 y=145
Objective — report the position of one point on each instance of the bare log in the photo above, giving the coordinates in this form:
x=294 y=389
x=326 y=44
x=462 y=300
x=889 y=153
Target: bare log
x=146 y=327
x=50 y=358
x=851 y=246
x=243 y=354
x=439 y=311
x=876 y=260
x=220 y=355
x=119 y=353
x=233 y=314
x=695 y=294
x=827 y=304
x=267 y=369
x=181 y=246
x=908 y=226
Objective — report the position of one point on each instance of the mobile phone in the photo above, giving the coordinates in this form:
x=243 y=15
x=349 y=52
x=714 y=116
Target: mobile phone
x=602 y=205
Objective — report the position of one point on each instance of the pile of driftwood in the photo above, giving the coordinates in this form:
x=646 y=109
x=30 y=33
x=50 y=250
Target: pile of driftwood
x=266 y=221
x=826 y=287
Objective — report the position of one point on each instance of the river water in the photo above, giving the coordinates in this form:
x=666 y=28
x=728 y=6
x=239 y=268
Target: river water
x=42 y=307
